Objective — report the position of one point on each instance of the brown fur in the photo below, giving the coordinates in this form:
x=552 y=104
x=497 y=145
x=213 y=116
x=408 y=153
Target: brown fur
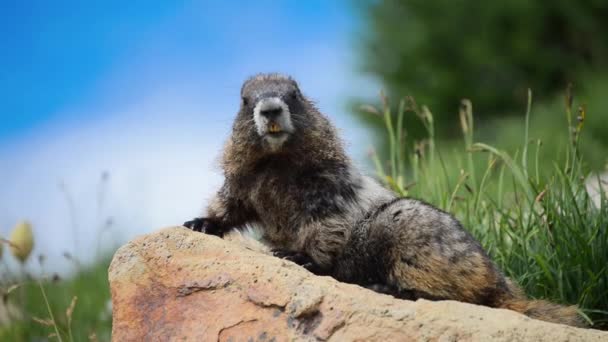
x=541 y=309
x=437 y=259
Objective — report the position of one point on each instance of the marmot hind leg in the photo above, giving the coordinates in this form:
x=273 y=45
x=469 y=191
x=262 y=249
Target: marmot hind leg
x=434 y=255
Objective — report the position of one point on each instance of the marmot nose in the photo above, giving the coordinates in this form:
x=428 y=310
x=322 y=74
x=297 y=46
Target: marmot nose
x=271 y=113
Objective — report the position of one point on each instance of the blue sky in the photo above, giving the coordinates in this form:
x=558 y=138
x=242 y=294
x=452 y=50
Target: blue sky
x=60 y=54
x=146 y=91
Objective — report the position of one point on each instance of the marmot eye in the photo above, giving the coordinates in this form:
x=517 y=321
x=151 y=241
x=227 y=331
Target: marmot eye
x=293 y=95
x=245 y=101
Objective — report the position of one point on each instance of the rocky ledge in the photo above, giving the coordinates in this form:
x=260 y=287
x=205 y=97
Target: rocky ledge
x=180 y=285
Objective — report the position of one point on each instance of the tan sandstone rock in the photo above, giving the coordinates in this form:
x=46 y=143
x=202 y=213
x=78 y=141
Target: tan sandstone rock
x=180 y=285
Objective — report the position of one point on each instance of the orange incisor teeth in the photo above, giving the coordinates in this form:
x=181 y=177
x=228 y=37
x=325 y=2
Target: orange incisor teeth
x=274 y=128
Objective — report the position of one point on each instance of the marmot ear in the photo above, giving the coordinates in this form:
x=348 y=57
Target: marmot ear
x=293 y=95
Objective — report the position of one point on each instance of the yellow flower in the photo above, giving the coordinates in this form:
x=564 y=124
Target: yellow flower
x=22 y=241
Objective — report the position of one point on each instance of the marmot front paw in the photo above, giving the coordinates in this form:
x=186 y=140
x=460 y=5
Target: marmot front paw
x=204 y=225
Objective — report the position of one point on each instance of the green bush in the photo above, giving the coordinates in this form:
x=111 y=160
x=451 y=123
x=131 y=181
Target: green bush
x=547 y=125
x=491 y=52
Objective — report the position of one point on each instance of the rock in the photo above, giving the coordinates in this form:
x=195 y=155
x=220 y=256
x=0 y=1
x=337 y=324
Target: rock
x=181 y=285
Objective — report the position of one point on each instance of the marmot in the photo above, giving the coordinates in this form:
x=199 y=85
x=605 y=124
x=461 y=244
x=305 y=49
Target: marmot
x=287 y=176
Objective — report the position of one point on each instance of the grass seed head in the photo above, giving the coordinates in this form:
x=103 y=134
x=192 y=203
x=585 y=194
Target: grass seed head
x=22 y=241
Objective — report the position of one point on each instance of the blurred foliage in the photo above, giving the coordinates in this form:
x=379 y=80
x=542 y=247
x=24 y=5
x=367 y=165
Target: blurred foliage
x=46 y=307
x=547 y=120
x=91 y=318
x=490 y=52
x=547 y=125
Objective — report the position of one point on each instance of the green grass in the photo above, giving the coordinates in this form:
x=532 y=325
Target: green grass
x=548 y=123
x=531 y=212
x=90 y=313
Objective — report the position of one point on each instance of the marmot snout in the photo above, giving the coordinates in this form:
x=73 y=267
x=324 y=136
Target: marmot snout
x=271 y=101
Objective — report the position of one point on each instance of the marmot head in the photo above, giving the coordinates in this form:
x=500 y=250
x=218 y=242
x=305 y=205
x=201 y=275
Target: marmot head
x=273 y=106
x=277 y=122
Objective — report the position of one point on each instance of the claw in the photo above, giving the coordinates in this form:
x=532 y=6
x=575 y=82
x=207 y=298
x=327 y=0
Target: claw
x=204 y=225
x=196 y=224
x=281 y=253
x=312 y=267
x=299 y=258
